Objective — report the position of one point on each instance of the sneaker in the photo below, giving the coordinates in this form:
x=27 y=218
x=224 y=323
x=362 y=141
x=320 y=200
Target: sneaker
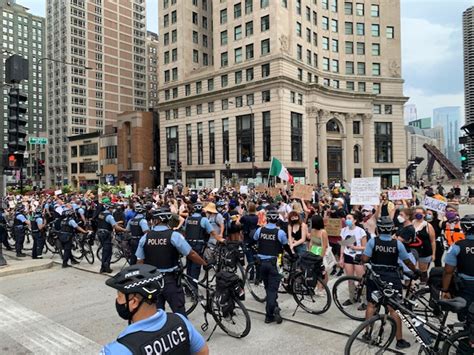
x=320 y=293
x=402 y=344
x=333 y=272
x=347 y=303
x=105 y=270
x=366 y=337
x=362 y=307
x=277 y=316
x=39 y=257
x=340 y=273
x=66 y=266
x=269 y=319
x=74 y=262
x=21 y=255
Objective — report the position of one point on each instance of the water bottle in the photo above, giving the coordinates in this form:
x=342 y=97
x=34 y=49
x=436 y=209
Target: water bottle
x=424 y=334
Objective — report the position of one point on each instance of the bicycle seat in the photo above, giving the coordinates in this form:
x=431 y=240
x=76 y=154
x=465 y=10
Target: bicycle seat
x=454 y=305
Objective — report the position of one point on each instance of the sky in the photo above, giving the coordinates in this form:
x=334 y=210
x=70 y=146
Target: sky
x=432 y=50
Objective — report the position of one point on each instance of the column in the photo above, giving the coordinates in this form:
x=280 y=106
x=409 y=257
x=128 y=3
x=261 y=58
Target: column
x=368 y=145
x=349 y=168
x=322 y=146
x=217 y=178
x=311 y=131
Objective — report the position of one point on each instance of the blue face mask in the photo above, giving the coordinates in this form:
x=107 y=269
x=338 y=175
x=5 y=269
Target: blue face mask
x=349 y=223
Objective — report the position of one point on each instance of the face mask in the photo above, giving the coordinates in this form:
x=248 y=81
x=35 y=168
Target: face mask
x=429 y=217
x=349 y=223
x=401 y=219
x=419 y=216
x=294 y=221
x=123 y=311
x=451 y=215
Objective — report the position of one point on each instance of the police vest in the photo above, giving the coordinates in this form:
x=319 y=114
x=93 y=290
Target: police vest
x=194 y=230
x=385 y=252
x=173 y=339
x=135 y=228
x=268 y=243
x=65 y=227
x=453 y=235
x=101 y=221
x=16 y=221
x=466 y=257
x=159 y=251
x=34 y=226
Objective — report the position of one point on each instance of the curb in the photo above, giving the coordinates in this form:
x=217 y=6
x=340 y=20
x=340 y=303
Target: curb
x=18 y=268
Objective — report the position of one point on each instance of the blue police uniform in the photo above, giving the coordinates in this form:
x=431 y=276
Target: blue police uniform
x=162 y=248
x=67 y=228
x=138 y=225
x=3 y=231
x=19 y=232
x=270 y=241
x=105 y=226
x=153 y=326
x=38 y=237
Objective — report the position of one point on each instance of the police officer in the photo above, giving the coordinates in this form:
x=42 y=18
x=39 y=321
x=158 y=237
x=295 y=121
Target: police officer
x=37 y=225
x=80 y=212
x=19 y=223
x=162 y=247
x=460 y=257
x=197 y=230
x=137 y=226
x=67 y=228
x=105 y=225
x=271 y=240
x=3 y=230
x=150 y=331
x=383 y=254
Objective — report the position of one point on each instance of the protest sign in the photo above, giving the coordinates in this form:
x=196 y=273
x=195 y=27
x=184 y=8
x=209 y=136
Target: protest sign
x=434 y=204
x=333 y=227
x=261 y=189
x=273 y=191
x=350 y=240
x=303 y=192
x=58 y=192
x=185 y=191
x=365 y=191
x=405 y=194
x=244 y=189
x=128 y=191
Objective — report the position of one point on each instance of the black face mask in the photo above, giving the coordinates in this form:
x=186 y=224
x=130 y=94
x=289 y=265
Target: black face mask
x=123 y=311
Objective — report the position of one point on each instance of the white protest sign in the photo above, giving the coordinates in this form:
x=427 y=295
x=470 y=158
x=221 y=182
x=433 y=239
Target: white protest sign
x=365 y=191
x=128 y=190
x=244 y=189
x=405 y=194
x=434 y=204
x=58 y=192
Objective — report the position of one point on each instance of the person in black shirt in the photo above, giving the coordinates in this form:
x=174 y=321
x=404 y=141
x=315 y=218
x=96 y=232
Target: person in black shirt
x=406 y=233
x=432 y=218
x=249 y=224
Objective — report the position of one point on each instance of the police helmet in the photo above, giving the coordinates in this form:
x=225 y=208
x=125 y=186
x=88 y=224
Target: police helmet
x=20 y=208
x=197 y=207
x=272 y=214
x=385 y=225
x=38 y=211
x=144 y=279
x=108 y=205
x=220 y=205
x=467 y=223
x=163 y=214
x=139 y=208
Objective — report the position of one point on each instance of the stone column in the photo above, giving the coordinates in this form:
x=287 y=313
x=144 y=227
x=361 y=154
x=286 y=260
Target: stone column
x=217 y=178
x=349 y=153
x=322 y=144
x=311 y=130
x=368 y=155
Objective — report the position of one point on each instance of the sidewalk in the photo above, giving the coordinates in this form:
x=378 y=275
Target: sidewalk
x=23 y=265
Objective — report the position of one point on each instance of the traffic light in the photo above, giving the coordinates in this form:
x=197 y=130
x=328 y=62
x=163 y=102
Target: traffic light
x=14 y=161
x=41 y=167
x=173 y=166
x=316 y=165
x=180 y=167
x=465 y=161
x=17 y=121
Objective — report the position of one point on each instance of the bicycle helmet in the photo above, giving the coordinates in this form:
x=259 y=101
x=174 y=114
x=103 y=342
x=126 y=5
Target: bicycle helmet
x=467 y=223
x=139 y=208
x=272 y=214
x=220 y=206
x=162 y=213
x=385 y=225
x=143 y=279
x=197 y=207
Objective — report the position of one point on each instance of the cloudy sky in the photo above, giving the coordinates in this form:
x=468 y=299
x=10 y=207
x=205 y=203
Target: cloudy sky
x=431 y=42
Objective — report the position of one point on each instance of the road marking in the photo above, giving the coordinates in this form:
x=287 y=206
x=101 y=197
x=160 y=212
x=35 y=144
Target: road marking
x=40 y=334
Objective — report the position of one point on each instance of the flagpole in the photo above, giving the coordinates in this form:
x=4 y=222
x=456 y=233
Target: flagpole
x=271 y=163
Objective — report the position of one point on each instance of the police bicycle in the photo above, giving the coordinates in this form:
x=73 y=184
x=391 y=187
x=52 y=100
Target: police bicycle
x=81 y=247
x=375 y=335
x=222 y=301
x=229 y=257
x=120 y=248
x=28 y=242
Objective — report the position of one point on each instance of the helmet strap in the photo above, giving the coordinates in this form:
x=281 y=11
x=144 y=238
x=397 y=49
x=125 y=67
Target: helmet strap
x=132 y=313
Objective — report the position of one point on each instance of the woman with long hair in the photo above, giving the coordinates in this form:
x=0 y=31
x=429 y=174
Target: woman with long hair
x=297 y=233
x=318 y=239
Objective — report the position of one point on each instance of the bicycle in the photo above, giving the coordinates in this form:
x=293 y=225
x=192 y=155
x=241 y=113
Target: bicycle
x=119 y=248
x=377 y=333
x=81 y=247
x=227 y=313
x=253 y=278
x=228 y=257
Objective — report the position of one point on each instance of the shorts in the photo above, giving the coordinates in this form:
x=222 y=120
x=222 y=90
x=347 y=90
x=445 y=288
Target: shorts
x=348 y=259
x=387 y=276
x=425 y=259
x=405 y=268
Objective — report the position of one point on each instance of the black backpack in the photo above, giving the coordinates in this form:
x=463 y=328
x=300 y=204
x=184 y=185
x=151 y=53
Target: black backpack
x=312 y=267
x=228 y=287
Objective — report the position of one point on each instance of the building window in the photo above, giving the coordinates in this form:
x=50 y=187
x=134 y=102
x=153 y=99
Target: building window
x=210 y=84
x=376 y=69
x=388 y=109
x=249 y=74
x=265 y=70
x=250 y=99
x=195 y=56
x=238 y=77
x=361 y=68
x=349 y=28
x=374 y=10
x=325 y=64
x=383 y=142
x=212 y=143
x=200 y=143
x=350 y=86
x=244 y=138
x=356 y=154
x=361 y=87
x=248 y=6
x=296 y=136
x=225 y=140
x=199 y=109
x=224 y=104
x=335 y=66
x=195 y=18
x=349 y=47
x=239 y=101
x=223 y=38
x=265 y=23
x=375 y=49
x=188 y=111
x=187 y=89
x=210 y=107
x=265 y=47
x=326 y=43
x=334 y=26
x=224 y=59
x=249 y=29
x=325 y=23
x=198 y=87
x=298 y=29
x=237 y=10
x=237 y=32
x=224 y=80
x=172 y=145
x=333 y=126
x=223 y=16
x=360 y=29
x=238 y=55
x=375 y=30
x=249 y=51
x=356 y=127
x=348 y=8
x=359 y=9
x=267 y=137
x=189 y=145
x=335 y=45
x=390 y=32
x=377 y=88
x=299 y=52
x=349 y=68
x=360 y=48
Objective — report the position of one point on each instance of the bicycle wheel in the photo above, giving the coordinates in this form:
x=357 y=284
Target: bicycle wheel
x=88 y=253
x=373 y=336
x=235 y=324
x=76 y=249
x=11 y=239
x=254 y=283
x=425 y=307
x=314 y=300
x=28 y=243
x=457 y=344
x=50 y=244
x=191 y=296
x=116 y=253
x=348 y=294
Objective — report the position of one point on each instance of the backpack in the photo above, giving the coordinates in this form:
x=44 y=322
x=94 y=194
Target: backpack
x=233 y=253
x=228 y=287
x=312 y=267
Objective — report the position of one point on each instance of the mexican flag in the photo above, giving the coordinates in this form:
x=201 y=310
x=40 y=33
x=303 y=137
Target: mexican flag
x=277 y=169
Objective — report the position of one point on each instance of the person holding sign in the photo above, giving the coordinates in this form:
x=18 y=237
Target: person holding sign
x=319 y=241
x=297 y=232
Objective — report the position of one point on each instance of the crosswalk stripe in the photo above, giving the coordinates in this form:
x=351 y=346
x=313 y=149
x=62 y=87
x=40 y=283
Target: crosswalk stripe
x=40 y=334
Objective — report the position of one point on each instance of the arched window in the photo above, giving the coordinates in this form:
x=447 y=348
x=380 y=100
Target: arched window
x=356 y=154
x=333 y=126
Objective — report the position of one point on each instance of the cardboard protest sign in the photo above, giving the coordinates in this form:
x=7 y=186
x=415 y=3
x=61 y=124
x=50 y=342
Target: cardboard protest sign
x=273 y=191
x=333 y=227
x=365 y=191
x=261 y=189
x=58 y=192
x=405 y=194
x=244 y=189
x=185 y=191
x=303 y=192
x=434 y=204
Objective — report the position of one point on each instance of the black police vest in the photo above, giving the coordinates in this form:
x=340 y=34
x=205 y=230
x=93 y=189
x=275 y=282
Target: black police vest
x=172 y=339
x=159 y=251
x=65 y=227
x=16 y=221
x=385 y=252
x=194 y=230
x=268 y=243
x=135 y=228
x=466 y=257
x=34 y=226
x=101 y=223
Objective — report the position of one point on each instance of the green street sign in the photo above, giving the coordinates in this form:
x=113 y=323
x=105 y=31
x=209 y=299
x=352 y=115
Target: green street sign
x=37 y=140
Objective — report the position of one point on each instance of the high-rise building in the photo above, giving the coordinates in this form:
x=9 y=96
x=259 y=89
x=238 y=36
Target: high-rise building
x=422 y=123
x=468 y=40
x=409 y=113
x=244 y=81
x=23 y=34
x=97 y=69
x=450 y=119
x=152 y=69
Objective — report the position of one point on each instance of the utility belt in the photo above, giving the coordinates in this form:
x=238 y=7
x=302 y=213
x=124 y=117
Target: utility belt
x=134 y=237
x=197 y=245
x=103 y=231
x=19 y=226
x=272 y=261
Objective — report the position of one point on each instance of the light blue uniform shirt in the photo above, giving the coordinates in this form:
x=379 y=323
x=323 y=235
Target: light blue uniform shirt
x=402 y=252
x=72 y=223
x=282 y=238
x=143 y=223
x=177 y=240
x=110 y=220
x=205 y=224
x=154 y=323
x=21 y=218
x=452 y=258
